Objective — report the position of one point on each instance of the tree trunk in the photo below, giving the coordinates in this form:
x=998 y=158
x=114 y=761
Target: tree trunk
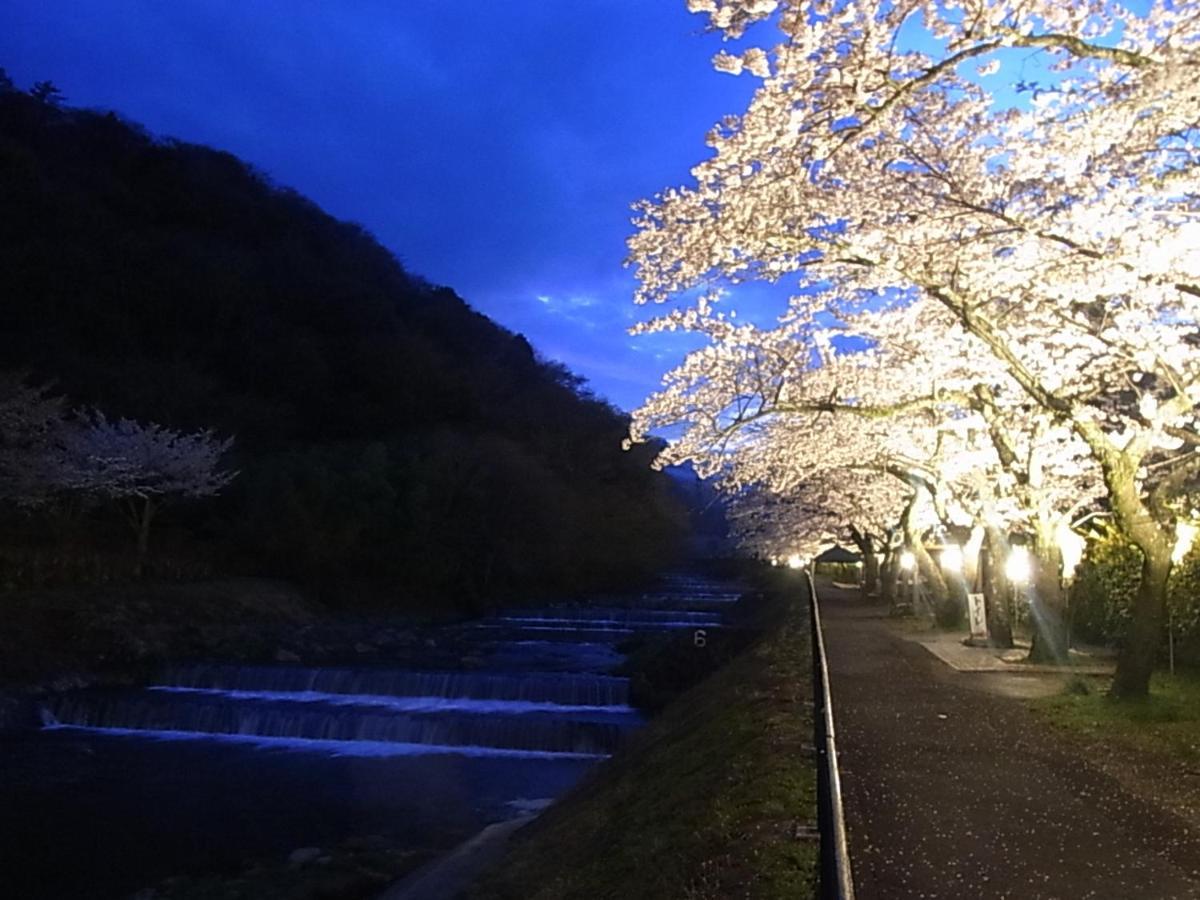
x=931 y=575
x=887 y=577
x=929 y=571
x=996 y=589
x=895 y=589
x=1156 y=539
x=1135 y=664
x=870 y=571
x=1048 y=608
x=936 y=593
x=954 y=610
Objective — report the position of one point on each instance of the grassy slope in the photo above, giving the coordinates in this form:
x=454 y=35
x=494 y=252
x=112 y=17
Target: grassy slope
x=1151 y=747
x=1167 y=724
x=706 y=803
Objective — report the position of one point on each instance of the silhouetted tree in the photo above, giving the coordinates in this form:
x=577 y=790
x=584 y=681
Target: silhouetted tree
x=46 y=92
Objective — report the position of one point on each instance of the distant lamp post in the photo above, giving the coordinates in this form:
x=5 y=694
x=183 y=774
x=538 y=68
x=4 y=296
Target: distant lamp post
x=795 y=561
x=907 y=560
x=952 y=558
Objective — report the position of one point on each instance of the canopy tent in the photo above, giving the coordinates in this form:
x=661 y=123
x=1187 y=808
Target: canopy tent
x=838 y=554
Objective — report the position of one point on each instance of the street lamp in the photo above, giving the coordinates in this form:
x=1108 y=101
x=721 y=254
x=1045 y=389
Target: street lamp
x=795 y=561
x=1016 y=567
x=907 y=560
x=952 y=558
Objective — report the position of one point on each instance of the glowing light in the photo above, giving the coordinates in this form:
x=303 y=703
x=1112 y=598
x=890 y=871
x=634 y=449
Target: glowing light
x=907 y=560
x=1185 y=536
x=1016 y=568
x=1072 y=546
x=974 y=544
x=795 y=561
x=952 y=558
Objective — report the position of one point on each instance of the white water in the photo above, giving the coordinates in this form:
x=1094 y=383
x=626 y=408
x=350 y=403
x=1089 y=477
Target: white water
x=575 y=627
x=333 y=748
x=405 y=704
x=539 y=699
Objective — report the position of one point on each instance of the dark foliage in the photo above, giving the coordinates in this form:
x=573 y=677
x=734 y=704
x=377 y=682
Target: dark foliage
x=1105 y=586
x=387 y=434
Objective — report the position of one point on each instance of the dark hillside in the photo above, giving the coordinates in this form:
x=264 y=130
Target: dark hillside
x=387 y=434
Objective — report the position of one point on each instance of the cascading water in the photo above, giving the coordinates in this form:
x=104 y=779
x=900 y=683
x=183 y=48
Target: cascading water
x=483 y=725
x=262 y=758
x=564 y=688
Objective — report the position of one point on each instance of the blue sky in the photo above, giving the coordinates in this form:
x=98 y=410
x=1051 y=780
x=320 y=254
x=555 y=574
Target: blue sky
x=494 y=147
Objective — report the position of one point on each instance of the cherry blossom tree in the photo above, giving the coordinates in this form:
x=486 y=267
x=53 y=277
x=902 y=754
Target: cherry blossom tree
x=917 y=416
x=893 y=151
x=142 y=467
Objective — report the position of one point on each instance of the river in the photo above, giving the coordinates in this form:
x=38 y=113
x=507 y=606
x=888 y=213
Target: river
x=212 y=765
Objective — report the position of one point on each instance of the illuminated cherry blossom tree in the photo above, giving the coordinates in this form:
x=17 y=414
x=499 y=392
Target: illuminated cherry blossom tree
x=142 y=467
x=895 y=155
x=910 y=416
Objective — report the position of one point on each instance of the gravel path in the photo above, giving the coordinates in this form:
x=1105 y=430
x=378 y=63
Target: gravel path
x=953 y=791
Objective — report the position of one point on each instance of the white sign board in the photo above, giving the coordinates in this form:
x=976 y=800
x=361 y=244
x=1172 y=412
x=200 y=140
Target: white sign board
x=977 y=614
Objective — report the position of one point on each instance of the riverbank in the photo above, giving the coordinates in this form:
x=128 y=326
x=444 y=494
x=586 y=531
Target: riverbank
x=122 y=633
x=715 y=798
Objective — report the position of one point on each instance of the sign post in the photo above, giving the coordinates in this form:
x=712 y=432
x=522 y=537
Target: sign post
x=977 y=615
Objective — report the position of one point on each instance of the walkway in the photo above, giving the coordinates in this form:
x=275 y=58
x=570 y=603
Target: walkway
x=954 y=791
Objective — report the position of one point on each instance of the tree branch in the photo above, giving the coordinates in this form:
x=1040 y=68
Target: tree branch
x=1076 y=46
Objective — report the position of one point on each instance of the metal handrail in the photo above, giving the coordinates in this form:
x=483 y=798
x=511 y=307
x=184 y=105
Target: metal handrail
x=837 y=882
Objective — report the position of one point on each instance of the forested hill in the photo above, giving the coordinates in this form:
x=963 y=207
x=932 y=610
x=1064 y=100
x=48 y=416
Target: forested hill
x=385 y=431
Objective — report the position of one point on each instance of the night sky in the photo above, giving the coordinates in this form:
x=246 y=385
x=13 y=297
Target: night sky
x=494 y=147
